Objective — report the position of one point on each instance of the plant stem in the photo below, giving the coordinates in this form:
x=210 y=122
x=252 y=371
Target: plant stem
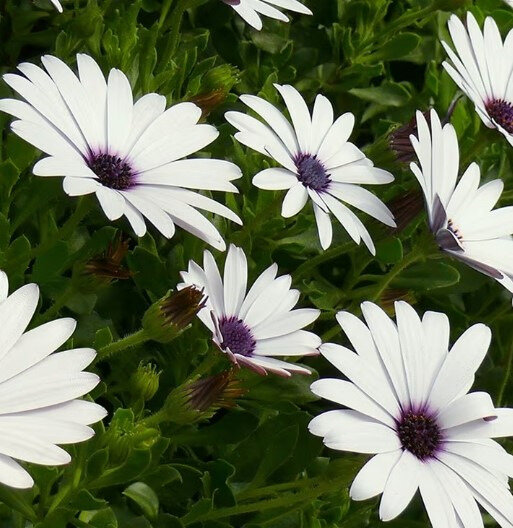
x=314 y=489
x=128 y=341
x=67 y=228
x=507 y=375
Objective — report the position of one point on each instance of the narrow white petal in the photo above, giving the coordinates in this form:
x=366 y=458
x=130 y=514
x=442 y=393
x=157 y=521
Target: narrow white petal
x=13 y=475
x=235 y=279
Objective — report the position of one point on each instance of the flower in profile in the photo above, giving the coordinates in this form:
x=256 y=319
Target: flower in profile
x=38 y=409
x=129 y=154
x=407 y=402
x=250 y=10
x=460 y=212
x=317 y=162
x=482 y=67
x=253 y=327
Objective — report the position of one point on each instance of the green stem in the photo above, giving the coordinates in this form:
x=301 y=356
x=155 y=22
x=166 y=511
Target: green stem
x=165 y=10
x=66 y=229
x=313 y=263
x=128 y=341
x=315 y=488
x=507 y=375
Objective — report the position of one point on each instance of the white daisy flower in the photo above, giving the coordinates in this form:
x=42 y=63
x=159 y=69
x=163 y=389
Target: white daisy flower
x=482 y=67
x=460 y=213
x=318 y=162
x=38 y=409
x=250 y=10
x=408 y=403
x=254 y=326
x=128 y=153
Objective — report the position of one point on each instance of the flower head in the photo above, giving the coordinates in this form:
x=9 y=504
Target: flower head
x=318 y=162
x=128 y=153
x=408 y=403
x=254 y=326
x=250 y=10
x=460 y=212
x=482 y=67
x=38 y=409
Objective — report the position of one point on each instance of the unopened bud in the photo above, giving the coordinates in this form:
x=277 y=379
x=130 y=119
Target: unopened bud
x=169 y=316
x=145 y=381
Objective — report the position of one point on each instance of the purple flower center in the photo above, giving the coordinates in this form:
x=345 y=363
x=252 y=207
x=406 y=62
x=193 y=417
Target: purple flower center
x=236 y=336
x=501 y=112
x=112 y=171
x=419 y=433
x=311 y=172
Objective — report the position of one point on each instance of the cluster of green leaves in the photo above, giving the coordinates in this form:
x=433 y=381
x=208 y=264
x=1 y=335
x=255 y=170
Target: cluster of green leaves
x=155 y=462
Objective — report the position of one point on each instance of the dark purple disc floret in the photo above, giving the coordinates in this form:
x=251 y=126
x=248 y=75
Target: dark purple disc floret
x=112 y=171
x=501 y=112
x=419 y=433
x=237 y=336
x=311 y=172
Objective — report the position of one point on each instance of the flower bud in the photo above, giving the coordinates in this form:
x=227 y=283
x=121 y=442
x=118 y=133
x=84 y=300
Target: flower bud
x=101 y=270
x=200 y=399
x=215 y=86
x=169 y=316
x=144 y=382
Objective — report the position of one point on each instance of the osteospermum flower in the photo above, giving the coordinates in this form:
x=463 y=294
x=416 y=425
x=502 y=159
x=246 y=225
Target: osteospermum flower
x=128 y=153
x=482 y=67
x=460 y=213
x=38 y=409
x=318 y=162
x=250 y=10
x=254 y=326
x=408 y=403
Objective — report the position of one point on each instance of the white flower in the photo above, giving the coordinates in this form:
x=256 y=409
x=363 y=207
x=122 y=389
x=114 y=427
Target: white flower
x=127 y=153
x=57 y=5
x=253 y=327
x=460 y=213
x=38 y=409
x=318 y=162
x=250 y=10
x=483 y=68
x=509 y=2
x=408 y=404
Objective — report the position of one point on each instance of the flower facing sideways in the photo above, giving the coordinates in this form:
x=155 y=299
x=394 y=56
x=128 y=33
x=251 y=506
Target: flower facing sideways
x=128 y=153
x=38 y=409
x=482 y=66
x=250 y=10
x=460 y=212
x=317 y=162
x=253 y=327
x=408 y=404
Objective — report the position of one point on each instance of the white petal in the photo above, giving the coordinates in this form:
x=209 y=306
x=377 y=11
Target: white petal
x=401 y=486
x=294 y=200
x=4 y=286
x=286 y=323
x=15 y=313
x=13 y=475
x=457 y=372
x=324 y=227
x=371 y=479
x=466 y=409
x=79 y=186
x=336 y=138
x=235 y=279
x=299 y=114
x=275 y=179
x=112 y=202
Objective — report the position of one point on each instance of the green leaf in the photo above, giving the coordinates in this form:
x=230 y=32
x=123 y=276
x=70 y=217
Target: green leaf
x=427 y=276
x=144 y=497
x=97 y=463
x=86 y=501
x=398 y=46
x=389 y=251
x=388 y=94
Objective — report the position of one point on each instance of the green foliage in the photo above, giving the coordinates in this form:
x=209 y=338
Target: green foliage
x=154 y=464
